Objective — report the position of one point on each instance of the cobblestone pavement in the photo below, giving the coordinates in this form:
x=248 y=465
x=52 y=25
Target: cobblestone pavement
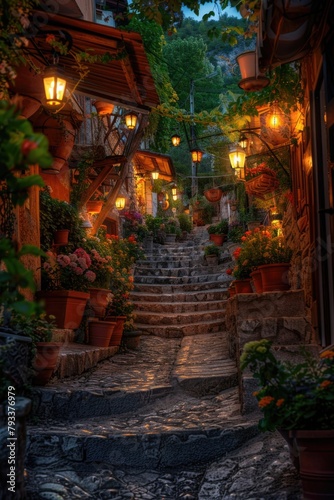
x=259 y=470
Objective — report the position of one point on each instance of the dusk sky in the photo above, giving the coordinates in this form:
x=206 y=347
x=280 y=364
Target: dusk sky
x=207 y=8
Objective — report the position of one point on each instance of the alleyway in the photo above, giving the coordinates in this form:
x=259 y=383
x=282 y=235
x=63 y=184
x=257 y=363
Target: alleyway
x=162 y=421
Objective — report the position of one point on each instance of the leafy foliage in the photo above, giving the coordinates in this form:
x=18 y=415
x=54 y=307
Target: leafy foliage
x=297 y=396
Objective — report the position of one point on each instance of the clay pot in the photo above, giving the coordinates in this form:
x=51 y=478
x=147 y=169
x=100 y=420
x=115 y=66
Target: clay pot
x=213 y=195
x=99 y=300
x=275 y=277
x=100 y=332
x=67 y=306
x=61 y=237
x=45 y=362
x=217 y=239
x=103 y=108
x=243 y=286
x=118 y=330
x=61 y=136
x=94 y=206
x=257 y=281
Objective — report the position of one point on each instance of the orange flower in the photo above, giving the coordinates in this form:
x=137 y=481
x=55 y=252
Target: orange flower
x=255 y=393
x=325 y=384
x=279 y=402
x=265 y=401
x=327 y=355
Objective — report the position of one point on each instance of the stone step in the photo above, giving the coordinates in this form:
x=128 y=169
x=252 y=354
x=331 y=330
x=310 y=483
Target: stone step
x=147 y=439
x=171 y=319
x=75 y=359
x=180 y=307
x=200 y=269
x=167 y=264
x=179 y=280
x=178 y=296
x=164 y=289
x=179 y=331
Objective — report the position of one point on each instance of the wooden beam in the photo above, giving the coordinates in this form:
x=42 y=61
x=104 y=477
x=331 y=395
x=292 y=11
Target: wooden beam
x=131 y=78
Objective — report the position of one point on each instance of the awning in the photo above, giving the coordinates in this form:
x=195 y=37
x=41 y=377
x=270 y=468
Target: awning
x=125 y=81
x=289 y=30
x=148 y=162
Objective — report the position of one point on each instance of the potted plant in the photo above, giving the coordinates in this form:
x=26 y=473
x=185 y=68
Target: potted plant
x=260 y=180
x=241 y=273
x=218 y=232
x=276 y=266
x=65 y=282
x=213 y=195
x=212 y=254
x=172 y=229
x=298 y=400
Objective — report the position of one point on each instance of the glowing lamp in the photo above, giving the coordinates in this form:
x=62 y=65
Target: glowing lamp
x=237 y=157
x=54 y=86
x=155 y=175
x=120 y=203
x=176 y=139
x=130 y=120
x=196 y=155
x=174 y=191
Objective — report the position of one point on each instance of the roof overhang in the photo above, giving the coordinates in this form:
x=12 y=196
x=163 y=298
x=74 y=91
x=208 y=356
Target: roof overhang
x=125 y=81
x=289 y=30
x=147 y=162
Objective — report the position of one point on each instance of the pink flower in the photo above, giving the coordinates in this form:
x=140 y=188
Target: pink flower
x=90 y=276
x=63 y=260
x=82 y=263
x=73 y=257
x=78 y=271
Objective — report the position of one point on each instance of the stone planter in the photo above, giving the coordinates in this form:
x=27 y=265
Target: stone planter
x=131 y=339
x=17 y=446
x=68 y=306
x=170 y=238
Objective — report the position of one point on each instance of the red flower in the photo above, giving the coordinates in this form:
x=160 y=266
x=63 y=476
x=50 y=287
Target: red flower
x=132 y=239
x=28 y=146
x=229 y=271
x=50 y=38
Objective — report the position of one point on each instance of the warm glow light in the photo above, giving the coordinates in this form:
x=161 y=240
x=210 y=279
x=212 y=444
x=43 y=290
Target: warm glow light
x=275 y=116
x=176 y=139
x=243 y=141
x=130 y=120
x=54 y=86
x=196 y=155
x=155 y=175
x=237 y=157
x=120 y=203
x=174 y=191
x=174 y=197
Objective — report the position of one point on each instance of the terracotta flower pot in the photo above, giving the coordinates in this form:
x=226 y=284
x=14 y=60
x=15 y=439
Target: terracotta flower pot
x=217 y=239
x=67 y=306
x=212 y=260
x=61 y=136
x=45 y=362
x=103 y=108
x=100 y=332
x=275 y=277
x=118 y=330
x=94 y=206
x=231 y=291
x=99 y=299
x=257 y=281
x=316 y=462
x=213 y=195
x=243 y=286
x=61 y=237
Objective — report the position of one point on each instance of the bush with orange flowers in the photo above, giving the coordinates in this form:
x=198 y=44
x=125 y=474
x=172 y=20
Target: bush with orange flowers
x=292 y=396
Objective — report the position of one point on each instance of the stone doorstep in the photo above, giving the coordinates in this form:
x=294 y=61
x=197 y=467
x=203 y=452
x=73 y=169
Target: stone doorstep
x=75 y=359
x=169 y=447
x=180 y=297
x=176 y=319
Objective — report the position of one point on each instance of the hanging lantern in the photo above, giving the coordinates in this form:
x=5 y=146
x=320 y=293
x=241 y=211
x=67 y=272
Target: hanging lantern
x=130 y=120
x=174 y=197
x=243 y=141
x=196 y=155
x=237 y=157
x=54 y=86
x=174 y=191
x=155 y=175
x=120 y=203
x=275 y=125
x=176 y=139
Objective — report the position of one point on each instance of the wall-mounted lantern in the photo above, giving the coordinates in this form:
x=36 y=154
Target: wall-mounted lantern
x=155 y=175
x=120 y=203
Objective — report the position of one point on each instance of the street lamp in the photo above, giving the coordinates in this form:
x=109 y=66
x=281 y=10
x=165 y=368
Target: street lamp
x=176 y=139
x=130 y=120
x=120 y=203
x=155 y=175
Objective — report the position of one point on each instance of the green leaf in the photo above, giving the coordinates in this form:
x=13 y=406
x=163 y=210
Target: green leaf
x=31 y=250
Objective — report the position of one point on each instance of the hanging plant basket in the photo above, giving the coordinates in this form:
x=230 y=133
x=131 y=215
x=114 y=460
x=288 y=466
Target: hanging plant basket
x=213 y=195
x=94 y=206
x=261 y=185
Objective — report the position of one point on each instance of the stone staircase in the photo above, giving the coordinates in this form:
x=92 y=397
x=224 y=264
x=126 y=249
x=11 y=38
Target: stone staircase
x=173 y=401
